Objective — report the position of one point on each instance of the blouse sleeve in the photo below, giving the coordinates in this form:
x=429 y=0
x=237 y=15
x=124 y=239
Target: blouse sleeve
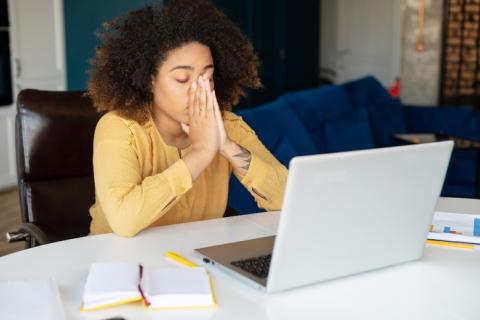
x=266 y=177
x=131 y=203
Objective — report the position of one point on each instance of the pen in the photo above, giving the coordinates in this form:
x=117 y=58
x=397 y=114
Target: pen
x=180 y=259
x=451 y=244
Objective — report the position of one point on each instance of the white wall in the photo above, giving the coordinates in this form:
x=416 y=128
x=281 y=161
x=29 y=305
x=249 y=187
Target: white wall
x=361 y=37
x=421 y=71
x=38 y=61
x=8 y=167
x=328 y=35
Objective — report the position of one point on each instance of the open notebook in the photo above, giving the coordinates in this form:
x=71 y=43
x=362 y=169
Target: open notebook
x=111 y=284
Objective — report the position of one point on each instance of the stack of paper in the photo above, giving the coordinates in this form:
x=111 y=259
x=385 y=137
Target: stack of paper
x=455 y=227
x=30 y=299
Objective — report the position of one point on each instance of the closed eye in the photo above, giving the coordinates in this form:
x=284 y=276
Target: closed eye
x=182 y=81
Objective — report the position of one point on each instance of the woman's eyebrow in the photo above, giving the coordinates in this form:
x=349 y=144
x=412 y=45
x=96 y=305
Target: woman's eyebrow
x=210 y=66
x=181 y=67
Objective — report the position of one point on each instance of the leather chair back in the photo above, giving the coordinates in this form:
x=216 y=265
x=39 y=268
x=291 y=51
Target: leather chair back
x=54 y=138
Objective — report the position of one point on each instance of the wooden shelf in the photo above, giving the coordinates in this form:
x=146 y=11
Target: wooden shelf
x=460 y=83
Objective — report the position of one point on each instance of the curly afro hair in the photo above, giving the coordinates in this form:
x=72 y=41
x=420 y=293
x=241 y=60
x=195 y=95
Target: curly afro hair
x=135 y=45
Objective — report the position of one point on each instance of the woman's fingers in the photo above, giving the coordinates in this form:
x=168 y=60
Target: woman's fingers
x=218 y=113
x=203 y=98
x=196 y=105
x=216 y=107
x=191 y=98
x=210 y=103
x=185 y=128
x=203 y=128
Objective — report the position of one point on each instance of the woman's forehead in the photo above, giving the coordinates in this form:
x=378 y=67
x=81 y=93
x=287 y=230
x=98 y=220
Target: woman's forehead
x=191 y=56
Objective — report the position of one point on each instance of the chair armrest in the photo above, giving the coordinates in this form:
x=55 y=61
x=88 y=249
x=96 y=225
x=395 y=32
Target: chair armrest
x=30 y=233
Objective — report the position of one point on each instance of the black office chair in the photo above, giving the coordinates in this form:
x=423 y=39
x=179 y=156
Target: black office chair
x=54 y=140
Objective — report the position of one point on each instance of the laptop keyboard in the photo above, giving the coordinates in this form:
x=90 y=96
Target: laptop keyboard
x=257 y=266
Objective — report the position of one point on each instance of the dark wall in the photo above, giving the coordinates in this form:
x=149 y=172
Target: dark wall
x=82 y=20
x=283 y=32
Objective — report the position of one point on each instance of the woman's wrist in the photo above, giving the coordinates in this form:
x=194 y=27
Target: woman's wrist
x=228 y=148
x=238 y=156
x=197 y=161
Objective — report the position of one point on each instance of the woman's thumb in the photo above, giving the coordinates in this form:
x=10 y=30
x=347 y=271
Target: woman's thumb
x=185 y=128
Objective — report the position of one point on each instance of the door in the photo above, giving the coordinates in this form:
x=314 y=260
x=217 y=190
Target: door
x=7 y=148
x=38 y=61
x=38 y=44
x=361 y=38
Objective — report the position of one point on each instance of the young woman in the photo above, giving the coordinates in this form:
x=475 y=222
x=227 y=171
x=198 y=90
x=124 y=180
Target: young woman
x=166 y=147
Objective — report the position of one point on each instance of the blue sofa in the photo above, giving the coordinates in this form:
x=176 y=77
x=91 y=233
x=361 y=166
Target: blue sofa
x=356 y=115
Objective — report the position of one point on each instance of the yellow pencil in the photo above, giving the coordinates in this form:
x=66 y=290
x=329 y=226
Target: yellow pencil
x=451 y=244
x=180 y=259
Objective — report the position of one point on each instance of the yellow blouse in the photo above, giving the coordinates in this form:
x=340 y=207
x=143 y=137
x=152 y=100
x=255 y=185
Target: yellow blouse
x=140 y=181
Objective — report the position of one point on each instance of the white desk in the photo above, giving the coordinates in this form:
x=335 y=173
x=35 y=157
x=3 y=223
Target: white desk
x=444 y=284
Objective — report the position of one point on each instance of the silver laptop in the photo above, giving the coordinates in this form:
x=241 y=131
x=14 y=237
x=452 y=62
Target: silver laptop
x=344 y=213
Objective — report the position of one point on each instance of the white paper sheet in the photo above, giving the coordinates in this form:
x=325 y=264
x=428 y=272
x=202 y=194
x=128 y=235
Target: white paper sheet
x=455 y=227
x=30 y=299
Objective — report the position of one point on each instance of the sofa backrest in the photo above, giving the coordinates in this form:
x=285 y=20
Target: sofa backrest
x=314 y=106
x=279 y=129
x=386 y=115
x=357 y=115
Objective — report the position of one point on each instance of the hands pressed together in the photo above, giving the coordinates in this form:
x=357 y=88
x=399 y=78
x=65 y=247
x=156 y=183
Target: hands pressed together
x=205 y=129
x=207 y=132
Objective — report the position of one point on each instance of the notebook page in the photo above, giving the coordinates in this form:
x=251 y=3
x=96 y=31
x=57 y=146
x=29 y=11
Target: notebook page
x=110 y=282
x=177 y=287
x=176 y=280
x=30 y=299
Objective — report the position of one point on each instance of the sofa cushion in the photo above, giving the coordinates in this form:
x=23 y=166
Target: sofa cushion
x=273 y=122
x=348 y=131
x=240 y=199
x=313 y=106
x=385 y=121
x=282 y=133
x=285 y=151
x=462 y=168
x=456 y=190
x=462 y=122
x=386 y=114
x=367 y=91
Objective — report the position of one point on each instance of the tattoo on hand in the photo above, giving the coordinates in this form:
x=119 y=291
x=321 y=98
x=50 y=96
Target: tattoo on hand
x=245 y=156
